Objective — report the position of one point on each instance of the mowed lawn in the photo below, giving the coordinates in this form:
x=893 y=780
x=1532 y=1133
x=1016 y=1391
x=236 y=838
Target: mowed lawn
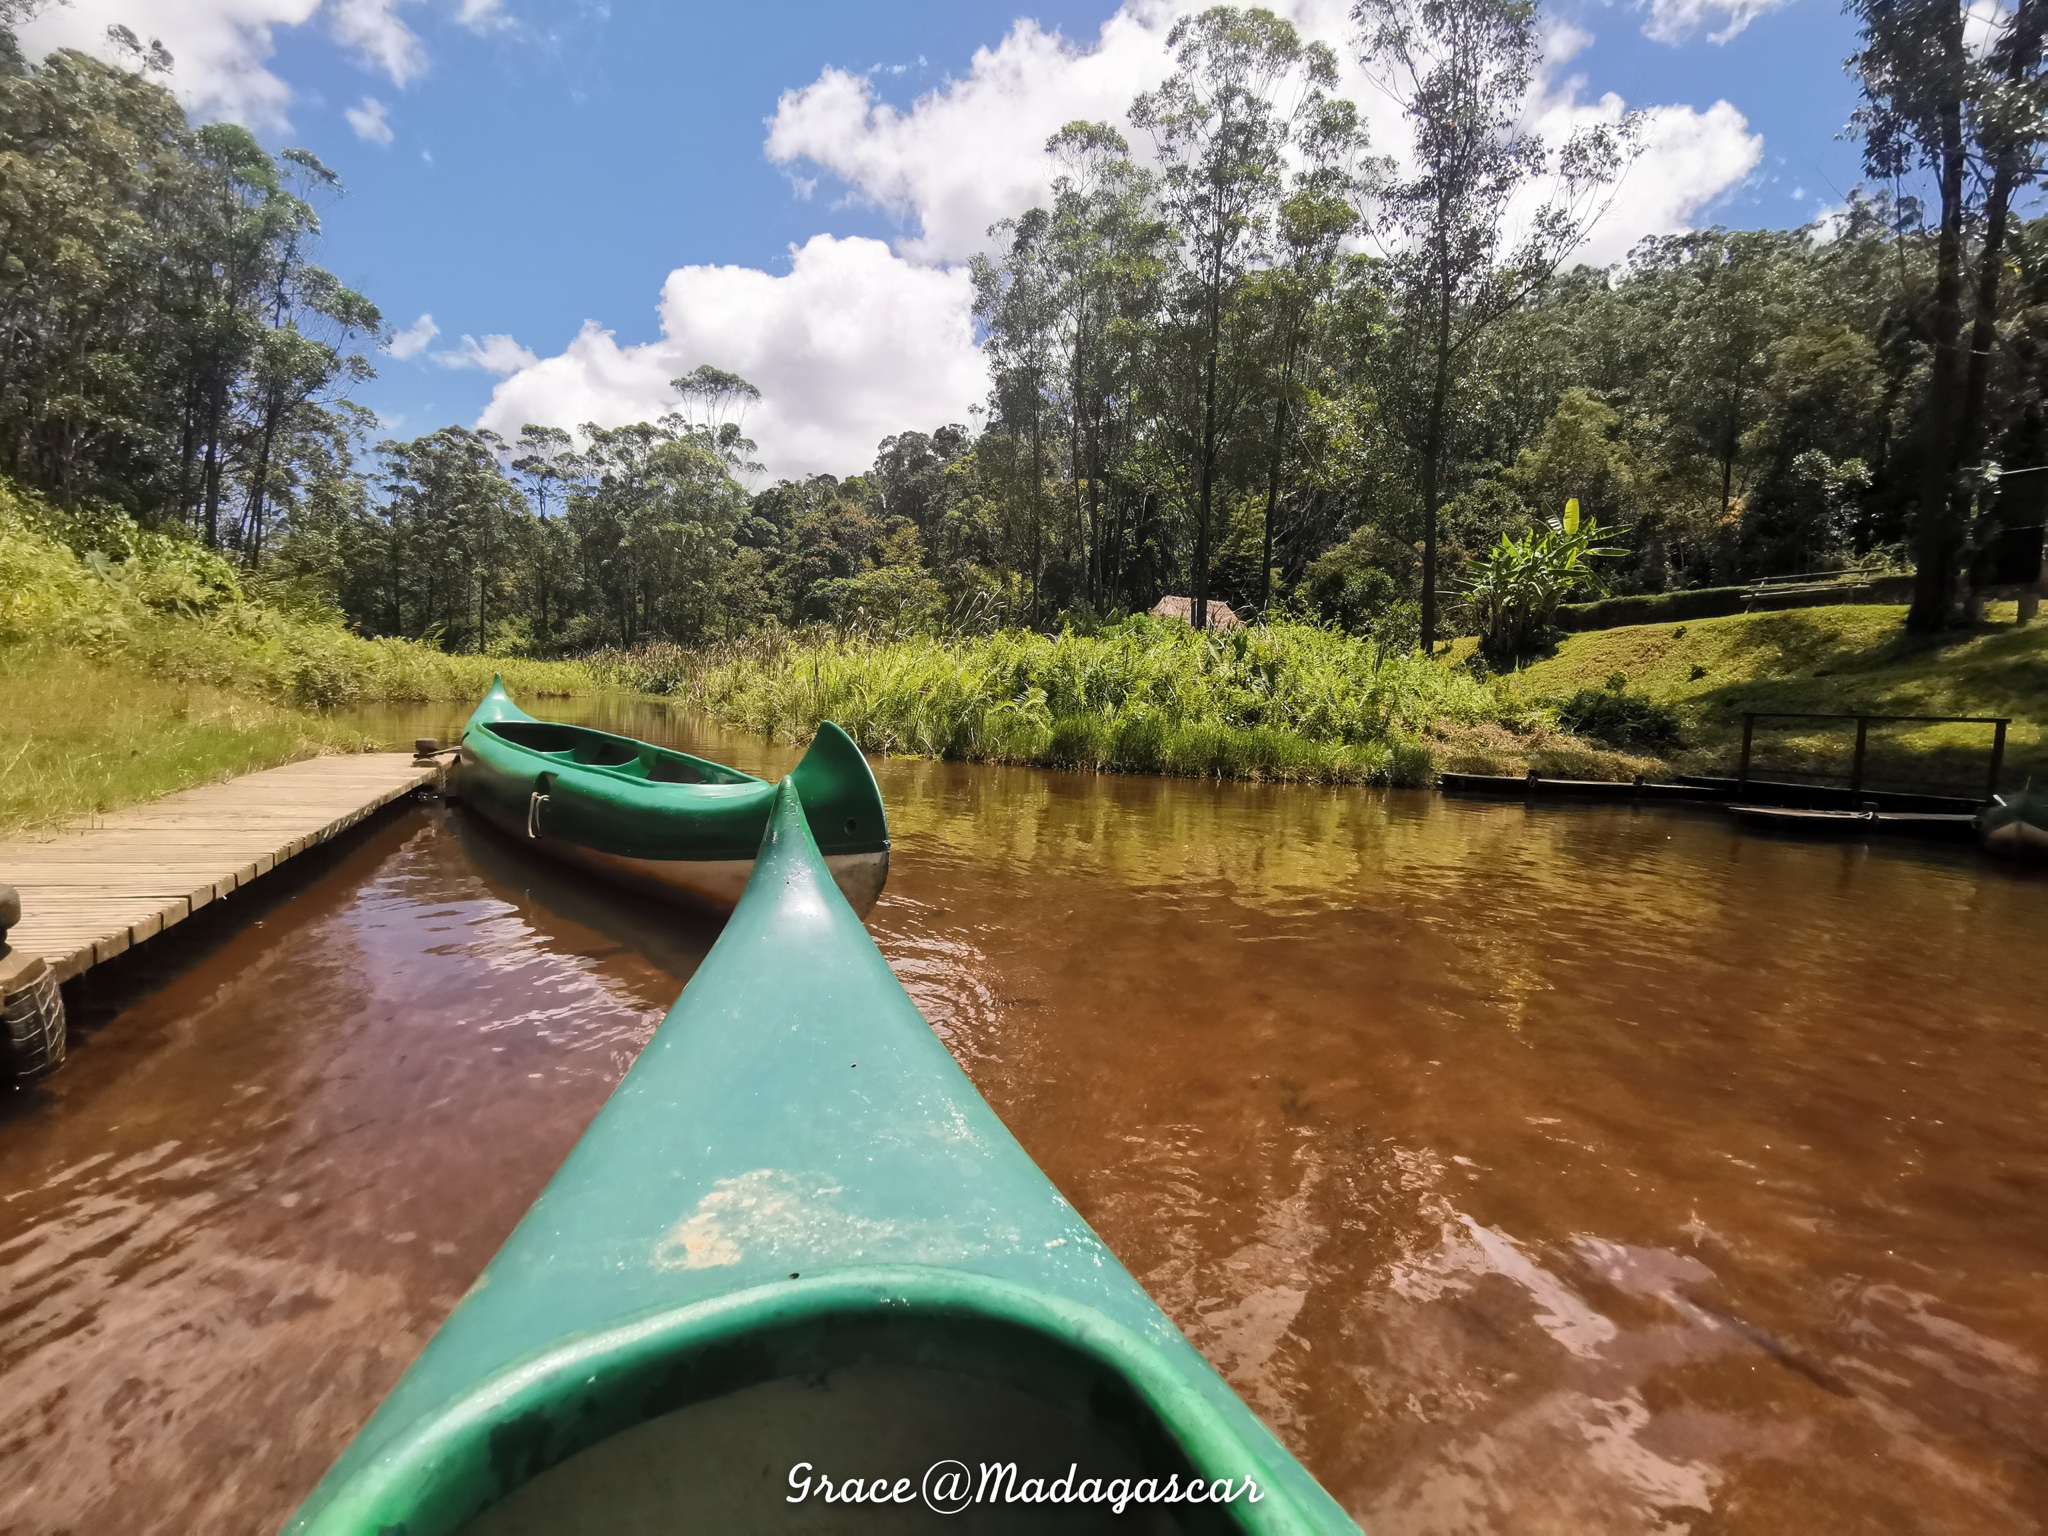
x=1847 y=659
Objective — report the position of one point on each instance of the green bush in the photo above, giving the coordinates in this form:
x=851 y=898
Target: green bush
x=1626 y=721
x=1516 y=589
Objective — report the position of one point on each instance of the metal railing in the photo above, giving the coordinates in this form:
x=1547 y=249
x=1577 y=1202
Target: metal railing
x=1751 y=716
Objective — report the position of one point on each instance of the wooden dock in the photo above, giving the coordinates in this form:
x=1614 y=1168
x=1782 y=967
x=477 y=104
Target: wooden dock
x=101 y=885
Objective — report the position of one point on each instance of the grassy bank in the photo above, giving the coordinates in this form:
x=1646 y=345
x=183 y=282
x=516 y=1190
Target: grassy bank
x=134 y=663
x=1290 y=702
x=1846 y=659
x=137 y=736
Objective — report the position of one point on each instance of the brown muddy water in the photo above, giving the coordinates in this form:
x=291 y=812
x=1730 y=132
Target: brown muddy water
x=1570 y=1170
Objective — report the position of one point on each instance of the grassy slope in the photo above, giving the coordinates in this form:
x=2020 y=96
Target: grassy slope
x=1848 y=659
x=127 y=677
x=140 y=737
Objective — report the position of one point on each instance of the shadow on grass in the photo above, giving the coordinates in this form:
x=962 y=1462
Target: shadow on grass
x=1988 y=671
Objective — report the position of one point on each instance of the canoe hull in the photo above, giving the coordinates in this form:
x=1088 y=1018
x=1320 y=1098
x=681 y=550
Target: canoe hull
x=795 y=1203
x=707 y=885
x=2017 y=839
x=2016 y=828
x=659 y=821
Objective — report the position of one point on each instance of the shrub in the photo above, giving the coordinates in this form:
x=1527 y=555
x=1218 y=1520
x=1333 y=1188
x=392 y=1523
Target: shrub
x=99 y=584
x=1620 y=719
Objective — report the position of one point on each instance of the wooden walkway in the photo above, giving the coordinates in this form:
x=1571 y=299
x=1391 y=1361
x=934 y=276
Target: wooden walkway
x=102 y=885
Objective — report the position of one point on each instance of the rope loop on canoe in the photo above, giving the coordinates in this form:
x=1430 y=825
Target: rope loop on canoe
x=533 y=806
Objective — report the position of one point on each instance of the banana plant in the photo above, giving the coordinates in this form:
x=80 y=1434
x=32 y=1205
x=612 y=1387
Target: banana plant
x=1515 y=588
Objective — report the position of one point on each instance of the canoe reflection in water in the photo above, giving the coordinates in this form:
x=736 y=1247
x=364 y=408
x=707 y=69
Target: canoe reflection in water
x=796 y=1234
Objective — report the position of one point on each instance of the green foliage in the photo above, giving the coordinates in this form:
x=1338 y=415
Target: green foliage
x=1365 y=586
x=1196 y=389
x=1849 y=658
x=171 y=348
x=85 y=734
x=1628 y=721
x=104 y=588
x=1515 y=591
x=1288 y=701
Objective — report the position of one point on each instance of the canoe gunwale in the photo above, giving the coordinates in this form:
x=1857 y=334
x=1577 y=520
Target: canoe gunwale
x=448 y=1467
x=556 y=762
x=633 y=816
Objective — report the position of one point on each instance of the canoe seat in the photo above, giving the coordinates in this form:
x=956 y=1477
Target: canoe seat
x=599 y=752
x=534 y=735
x=664 y=770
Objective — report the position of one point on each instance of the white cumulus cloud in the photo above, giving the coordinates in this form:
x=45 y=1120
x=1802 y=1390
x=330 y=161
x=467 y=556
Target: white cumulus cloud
x=222 y=48
x=372 y=28
x=852 y=344
x=494 y=354
x=414 y=339
x=1678 y=21
x=972 y=151
x=482 y=15
x=369 y=121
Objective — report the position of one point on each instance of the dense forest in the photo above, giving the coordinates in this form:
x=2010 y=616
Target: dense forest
x=1250 y=359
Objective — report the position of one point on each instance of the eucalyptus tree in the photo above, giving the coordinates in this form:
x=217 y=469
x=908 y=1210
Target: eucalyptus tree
x=293 y=372
x=1320 y=211
x=1222 y=131
x=1716 y=302
x=164 y=337
x=656 y=518
x=549 y=467
x=1104 y=247
x=1462 y=72
x=716 y=403
x=447 y=523
x=1016 y=300
x=1971 y=119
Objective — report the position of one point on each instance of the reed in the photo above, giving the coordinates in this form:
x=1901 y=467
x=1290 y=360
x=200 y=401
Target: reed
x=1285 y=702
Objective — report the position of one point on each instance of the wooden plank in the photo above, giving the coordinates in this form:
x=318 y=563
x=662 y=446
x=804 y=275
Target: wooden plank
x=93 y=889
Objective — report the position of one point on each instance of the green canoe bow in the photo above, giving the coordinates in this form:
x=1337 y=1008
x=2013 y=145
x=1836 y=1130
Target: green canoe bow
x=796 y=1234
x=661 y=820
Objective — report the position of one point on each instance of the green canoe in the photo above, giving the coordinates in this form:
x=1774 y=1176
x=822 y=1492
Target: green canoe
x=2017 y=826
x=795 y=1258
x=659 y=820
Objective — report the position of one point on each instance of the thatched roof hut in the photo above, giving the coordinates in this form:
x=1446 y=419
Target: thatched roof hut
x=1221 y=617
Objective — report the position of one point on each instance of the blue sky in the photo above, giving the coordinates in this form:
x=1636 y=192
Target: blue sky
x=553 y=162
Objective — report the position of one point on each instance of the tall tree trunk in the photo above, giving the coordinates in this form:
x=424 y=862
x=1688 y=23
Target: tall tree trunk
x=1273 y=470
x=2010 y=167
x=1432 y=463
x=1272 y=501
x=1729 y=441
x=1206 y=487
x=1037 y=513
x=259 y=481
x=1939 y=538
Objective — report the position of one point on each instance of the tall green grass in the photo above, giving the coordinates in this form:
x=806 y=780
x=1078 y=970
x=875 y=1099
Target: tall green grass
x=135 y=663
x=1285 y=702
x=102 y=587
x=80 y=736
